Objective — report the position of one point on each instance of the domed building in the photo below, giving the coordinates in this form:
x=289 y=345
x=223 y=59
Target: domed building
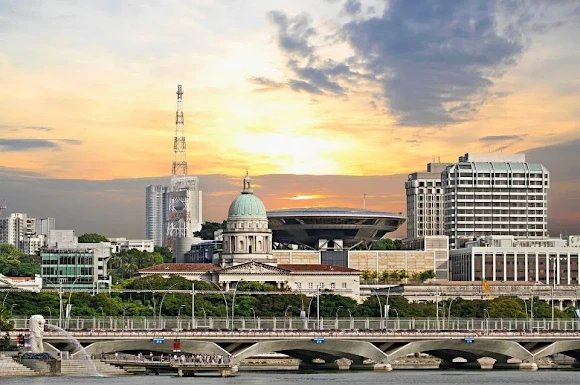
x=247 y=236
x=247 y=256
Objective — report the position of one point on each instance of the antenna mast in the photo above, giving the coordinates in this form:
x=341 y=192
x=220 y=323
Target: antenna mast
x=184 y=199
x=179 y=168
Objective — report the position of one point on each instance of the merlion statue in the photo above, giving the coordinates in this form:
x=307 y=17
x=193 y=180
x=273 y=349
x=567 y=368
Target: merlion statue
x=36 y=326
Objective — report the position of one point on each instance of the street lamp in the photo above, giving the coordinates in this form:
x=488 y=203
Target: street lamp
x=486 y=320
x=287 y=308
x=234 y=301
x=11 y=308
x=49 y=311
x=102 y=312
x=204 y=316
x=224 y=297
x=398 y=319
x=254 y=313
x=380 y=306
x=554 y=259
x=336 y=317
x=163 y=298
x=179 y=315
x=449 y=312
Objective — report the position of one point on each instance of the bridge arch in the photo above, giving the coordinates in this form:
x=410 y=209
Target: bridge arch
x=355 y=350
x=187 y=346
x=481 y=348
x=564 y=347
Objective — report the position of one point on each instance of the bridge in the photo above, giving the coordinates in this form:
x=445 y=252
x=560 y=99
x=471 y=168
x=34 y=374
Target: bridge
x=368 y=343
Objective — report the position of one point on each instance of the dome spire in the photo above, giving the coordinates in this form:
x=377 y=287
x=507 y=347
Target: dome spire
x=247 y=184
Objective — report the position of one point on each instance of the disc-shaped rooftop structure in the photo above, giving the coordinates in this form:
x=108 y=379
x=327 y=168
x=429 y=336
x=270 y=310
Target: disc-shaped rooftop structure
x=331 y=227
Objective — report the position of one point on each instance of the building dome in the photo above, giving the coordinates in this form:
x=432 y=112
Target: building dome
x=247 y=205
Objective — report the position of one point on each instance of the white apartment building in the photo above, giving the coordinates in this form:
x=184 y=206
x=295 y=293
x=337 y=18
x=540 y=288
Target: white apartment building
x=13 y=229
x=425 y=202
x=156 y=199
x=507 y=259
x=494 y=194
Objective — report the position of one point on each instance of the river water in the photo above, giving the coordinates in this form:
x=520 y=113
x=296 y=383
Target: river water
x=411 y=377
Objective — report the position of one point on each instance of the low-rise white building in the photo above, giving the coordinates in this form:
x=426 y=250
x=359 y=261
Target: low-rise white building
x=21 y=283
x=120 y=244
x=505 y=258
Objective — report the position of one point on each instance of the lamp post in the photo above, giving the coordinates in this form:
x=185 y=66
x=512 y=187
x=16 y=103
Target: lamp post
x=554 y=259
x=526 y=308
x=380 y=308
x=163 y=298
x=437 y=307
x=68 y=302
x=11 y=309
x=486 y=320
x=234 y=301
x=318 y=308
x=204 y=316
x=287 y=308
x=449 y=312
x=254 y=313
x=179 y=315
x=224 y=297
x=336 y=317
x=102 y=313
x=398 y=319
x=193 y=305
x=49 y=311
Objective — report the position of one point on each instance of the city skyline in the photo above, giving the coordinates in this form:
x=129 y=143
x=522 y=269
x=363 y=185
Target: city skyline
x=358 y=89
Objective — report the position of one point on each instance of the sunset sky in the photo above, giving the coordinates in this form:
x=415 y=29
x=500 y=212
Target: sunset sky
x=356 y=88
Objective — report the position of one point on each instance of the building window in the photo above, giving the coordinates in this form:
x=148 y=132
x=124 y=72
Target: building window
x=344 y=285
x=333 y=286
x=310 y=285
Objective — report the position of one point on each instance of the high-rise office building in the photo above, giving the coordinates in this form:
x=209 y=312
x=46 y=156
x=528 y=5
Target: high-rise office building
x=494 y=194
x=425 y=202
x=156 y=213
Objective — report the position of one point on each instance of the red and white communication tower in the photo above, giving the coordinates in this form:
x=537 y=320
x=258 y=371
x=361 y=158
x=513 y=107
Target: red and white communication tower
x=184 y=203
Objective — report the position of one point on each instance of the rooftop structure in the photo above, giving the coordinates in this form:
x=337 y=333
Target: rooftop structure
x=331 y=227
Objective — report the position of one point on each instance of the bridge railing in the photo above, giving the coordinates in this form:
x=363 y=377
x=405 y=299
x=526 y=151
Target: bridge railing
x=291 y=323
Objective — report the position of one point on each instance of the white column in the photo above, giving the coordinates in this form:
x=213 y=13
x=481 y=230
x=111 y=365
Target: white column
x=504 y=267
x=548 y=267
x=493 y=266
x=568 y=275
x=473 y=265
x=526 y=266
x=537 y=267
x=516 y=266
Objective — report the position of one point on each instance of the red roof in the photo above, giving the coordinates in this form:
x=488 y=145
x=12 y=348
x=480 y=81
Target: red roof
x=317 y=268
x=180 y=267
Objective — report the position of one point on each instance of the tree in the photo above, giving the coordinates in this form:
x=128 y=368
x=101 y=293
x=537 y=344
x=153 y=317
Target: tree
x=165 y=252
x=13 y=262
x=126 y=263
x=92 y=238
x=387 y=244
x=208 y=228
